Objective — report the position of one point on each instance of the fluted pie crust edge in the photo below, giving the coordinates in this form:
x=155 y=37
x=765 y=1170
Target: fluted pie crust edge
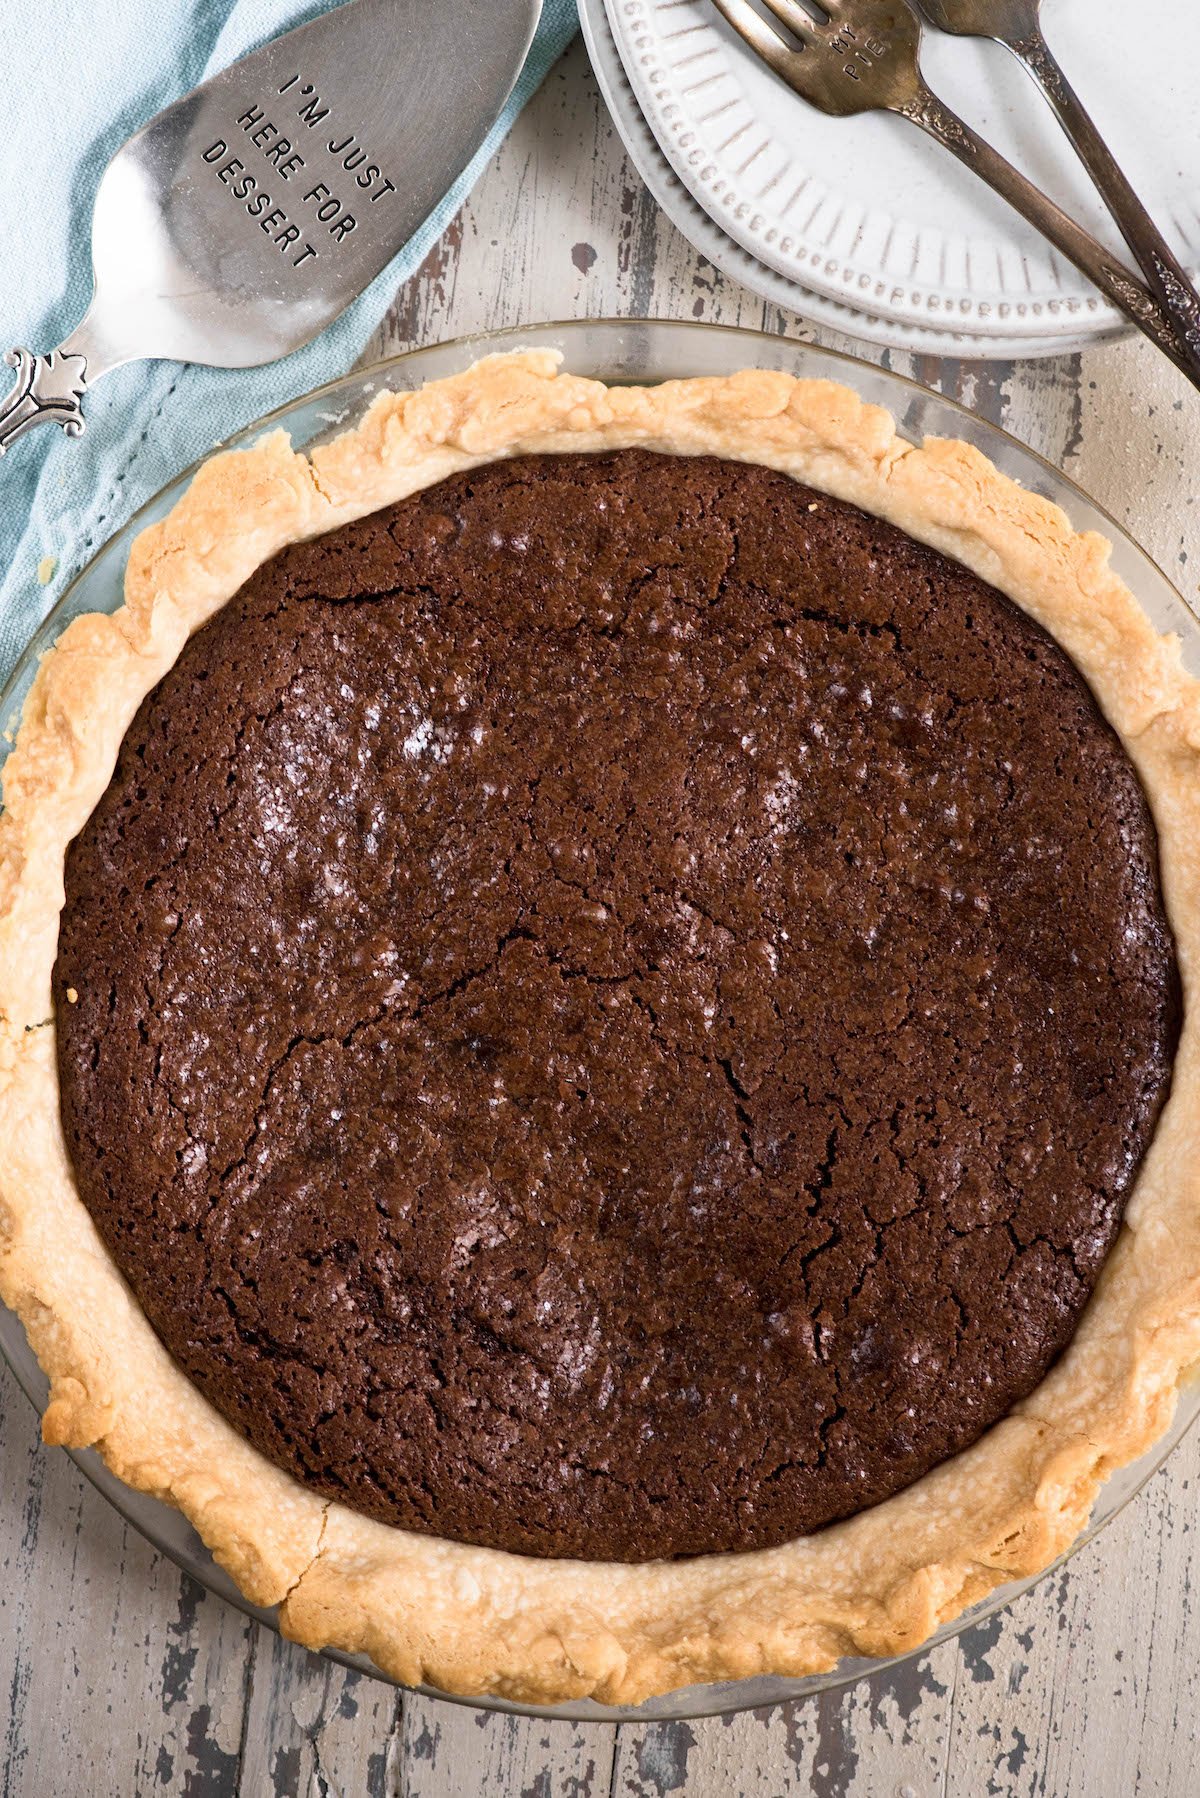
x=473 y=1620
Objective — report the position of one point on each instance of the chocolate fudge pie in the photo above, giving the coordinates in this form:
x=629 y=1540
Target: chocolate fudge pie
x=595 y=1078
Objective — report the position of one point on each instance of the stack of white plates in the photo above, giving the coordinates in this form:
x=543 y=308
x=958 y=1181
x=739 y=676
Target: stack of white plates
x=866 y=225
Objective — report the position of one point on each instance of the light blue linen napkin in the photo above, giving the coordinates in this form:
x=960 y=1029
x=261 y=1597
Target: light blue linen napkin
x=80 y=76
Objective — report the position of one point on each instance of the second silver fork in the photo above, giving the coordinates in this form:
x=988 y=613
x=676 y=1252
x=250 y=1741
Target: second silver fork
x=1017 y=25
x=865 y=57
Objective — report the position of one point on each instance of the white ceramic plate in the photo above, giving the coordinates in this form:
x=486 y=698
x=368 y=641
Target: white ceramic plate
x=868 y=210
x=689 y=217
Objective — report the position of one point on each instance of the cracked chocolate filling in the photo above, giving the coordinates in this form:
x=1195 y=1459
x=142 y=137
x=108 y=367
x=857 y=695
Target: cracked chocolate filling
x=611 y=1009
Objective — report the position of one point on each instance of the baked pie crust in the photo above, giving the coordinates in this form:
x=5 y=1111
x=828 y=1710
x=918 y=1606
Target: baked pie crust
x=475 y=1620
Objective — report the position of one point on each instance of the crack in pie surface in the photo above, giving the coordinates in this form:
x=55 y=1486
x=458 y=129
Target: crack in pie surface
x=572 y=951
x=471 y=1618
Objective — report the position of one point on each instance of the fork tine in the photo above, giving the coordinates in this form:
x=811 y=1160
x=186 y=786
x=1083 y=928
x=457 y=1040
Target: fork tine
x=798 y=21
x=754 y=30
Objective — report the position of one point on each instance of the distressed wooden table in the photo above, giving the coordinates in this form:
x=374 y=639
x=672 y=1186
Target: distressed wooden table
x=123 y=1677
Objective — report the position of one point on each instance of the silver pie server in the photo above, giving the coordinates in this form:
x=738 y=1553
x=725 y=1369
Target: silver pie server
x=245 y=217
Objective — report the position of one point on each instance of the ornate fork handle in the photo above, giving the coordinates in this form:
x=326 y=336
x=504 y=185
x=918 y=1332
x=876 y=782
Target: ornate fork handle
x=1168 y=280
x=48 y=390
x=1077 y=245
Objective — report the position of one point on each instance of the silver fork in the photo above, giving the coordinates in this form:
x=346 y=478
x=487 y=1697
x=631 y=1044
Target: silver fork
x=863 y=56
x=1017 y=25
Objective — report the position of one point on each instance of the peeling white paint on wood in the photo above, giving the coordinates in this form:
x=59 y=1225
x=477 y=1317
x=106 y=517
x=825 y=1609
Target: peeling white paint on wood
x=124 y=1678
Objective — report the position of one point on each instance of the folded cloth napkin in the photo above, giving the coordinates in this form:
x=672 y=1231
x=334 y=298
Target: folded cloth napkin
x=81 y=76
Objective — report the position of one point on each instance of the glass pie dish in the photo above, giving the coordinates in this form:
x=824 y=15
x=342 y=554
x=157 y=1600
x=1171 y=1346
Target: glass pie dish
x=644 y=352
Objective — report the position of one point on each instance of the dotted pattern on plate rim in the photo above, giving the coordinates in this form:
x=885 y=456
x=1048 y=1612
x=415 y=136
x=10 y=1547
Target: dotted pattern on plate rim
x=733 y=259
x=693 y=162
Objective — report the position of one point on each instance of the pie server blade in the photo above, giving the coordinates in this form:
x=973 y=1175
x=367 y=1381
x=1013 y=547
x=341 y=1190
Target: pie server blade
x=245 y=217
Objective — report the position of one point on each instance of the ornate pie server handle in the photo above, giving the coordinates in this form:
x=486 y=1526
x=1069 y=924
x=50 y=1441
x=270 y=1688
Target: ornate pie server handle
x=1167 y=278
x=1117 y=283
x=48 y=390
